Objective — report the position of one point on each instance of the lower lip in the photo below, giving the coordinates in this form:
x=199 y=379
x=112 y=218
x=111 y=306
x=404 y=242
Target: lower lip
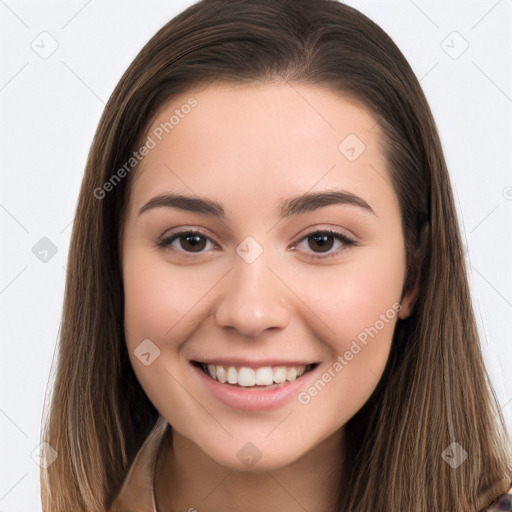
x=254 y=399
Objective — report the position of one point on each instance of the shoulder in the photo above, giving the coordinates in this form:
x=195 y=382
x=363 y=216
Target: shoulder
x=502 y=503
x=136 y=493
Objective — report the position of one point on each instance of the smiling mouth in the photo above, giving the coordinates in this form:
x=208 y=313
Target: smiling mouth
x=264 y=377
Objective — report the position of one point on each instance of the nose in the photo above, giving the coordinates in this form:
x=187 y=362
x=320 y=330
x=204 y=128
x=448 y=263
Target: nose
x=253 y=299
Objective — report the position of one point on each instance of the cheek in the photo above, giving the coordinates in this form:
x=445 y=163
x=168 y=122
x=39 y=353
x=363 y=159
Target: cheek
x=356 y=295
x=359 y=303
x=158 y=302
x=160 y=305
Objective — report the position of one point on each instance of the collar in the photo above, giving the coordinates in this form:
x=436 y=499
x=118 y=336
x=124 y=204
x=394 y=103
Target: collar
x=137 y=492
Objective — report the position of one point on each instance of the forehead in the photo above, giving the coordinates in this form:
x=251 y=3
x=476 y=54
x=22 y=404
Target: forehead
x=259 y=138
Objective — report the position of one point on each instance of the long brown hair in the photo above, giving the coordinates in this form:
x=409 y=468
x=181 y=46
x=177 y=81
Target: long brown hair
x=435 y=389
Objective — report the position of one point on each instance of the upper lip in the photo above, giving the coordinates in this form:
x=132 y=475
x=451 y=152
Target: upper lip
x=238 y=362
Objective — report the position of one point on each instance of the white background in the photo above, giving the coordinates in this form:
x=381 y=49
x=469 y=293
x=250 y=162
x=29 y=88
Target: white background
x=50 y=109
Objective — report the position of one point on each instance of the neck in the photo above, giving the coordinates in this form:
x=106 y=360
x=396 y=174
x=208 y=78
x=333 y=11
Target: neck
x=187 y=479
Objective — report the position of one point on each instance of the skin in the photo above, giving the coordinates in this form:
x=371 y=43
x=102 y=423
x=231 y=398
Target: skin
x=262 y=143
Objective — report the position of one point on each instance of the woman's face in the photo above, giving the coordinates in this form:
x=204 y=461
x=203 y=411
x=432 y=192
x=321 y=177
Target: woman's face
x=259 y=290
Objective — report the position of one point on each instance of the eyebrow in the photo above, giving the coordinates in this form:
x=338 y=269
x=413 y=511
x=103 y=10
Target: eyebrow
x=294 y=206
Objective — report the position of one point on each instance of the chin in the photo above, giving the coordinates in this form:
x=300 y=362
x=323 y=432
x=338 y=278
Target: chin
x=250 y=457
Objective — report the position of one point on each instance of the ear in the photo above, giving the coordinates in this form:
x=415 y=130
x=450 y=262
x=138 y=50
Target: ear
x=409 y=298
x=412 y=282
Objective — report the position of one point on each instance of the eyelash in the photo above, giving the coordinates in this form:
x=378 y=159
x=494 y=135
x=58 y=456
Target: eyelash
x=165 y=242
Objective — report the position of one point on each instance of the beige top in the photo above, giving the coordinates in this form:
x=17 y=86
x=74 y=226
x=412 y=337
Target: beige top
x=137 y=492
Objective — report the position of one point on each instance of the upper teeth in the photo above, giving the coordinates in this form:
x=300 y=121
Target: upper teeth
x=265 y=376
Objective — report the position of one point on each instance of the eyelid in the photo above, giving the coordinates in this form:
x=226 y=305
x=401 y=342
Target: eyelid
x=325 y=228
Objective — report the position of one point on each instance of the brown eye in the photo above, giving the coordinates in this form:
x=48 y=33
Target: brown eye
x=193 y=242
x=320 y=244
x=323 y=242
x=185 y=241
